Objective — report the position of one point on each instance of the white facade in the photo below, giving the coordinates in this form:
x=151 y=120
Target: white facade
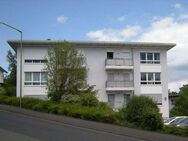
x=2 y=75
x=118 y=69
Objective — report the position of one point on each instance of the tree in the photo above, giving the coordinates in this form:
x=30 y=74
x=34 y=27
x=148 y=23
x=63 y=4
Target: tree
x=181 y=105
x=66 y=71
x=9 y=86
x=143 y=112
x=11 y=78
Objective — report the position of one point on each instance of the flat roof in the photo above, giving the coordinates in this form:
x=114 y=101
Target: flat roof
x=16 y=43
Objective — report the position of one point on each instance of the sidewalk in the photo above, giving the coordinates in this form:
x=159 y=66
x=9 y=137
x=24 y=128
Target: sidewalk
x=113 y=129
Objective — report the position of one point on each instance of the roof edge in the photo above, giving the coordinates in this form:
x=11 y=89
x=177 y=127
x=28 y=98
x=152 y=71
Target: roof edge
x=16 y=43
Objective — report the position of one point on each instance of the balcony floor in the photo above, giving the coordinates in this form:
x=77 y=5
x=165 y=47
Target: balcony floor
x=120 y=89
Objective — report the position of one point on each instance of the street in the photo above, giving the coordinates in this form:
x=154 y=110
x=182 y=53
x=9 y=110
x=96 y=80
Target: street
x=18 y=127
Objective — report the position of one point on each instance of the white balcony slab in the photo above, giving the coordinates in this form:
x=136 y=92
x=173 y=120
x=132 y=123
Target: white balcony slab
x=119 y=67
x=119 y=88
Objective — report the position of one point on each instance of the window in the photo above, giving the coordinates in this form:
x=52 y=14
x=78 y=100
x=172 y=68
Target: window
x=28 y=61
x=150 y=78
x=35 y=78
x=44 y=77
x=157 y=58
x=149 y=58
x=126 y=99
x=111 y=99
x=143 y=78
x=43 y=61
x=110 y=55
x=110 y=77
x=36 y=61
x=28 y=78
x=143 y=57
x=157 y=98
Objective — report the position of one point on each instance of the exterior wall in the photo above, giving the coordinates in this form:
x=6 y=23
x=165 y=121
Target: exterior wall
x=160 y=90
x=172 y=101
x=97 y=73
x=1 y=77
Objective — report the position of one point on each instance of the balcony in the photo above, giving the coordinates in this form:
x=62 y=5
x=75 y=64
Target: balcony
x=119 y=86
x=118 y=63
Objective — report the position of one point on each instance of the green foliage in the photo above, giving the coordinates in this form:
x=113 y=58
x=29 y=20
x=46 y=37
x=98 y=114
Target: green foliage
x=2 y=90
x=11 y=78
x=181 y=131
x=97 y=113
x=88 y=99
x=181 y=106
x=143 y=112
x=102 y=113
x=151 y=120
x=9 y=86
x=70 y=98
x=66 y=71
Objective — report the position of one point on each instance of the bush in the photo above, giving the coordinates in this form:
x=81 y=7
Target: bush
x=151 y=120
x=29 y=103
x=2 y=90
x=88 y=99
x=143 y=112
x=181 y=131
x=69 y=98
x=10 y=90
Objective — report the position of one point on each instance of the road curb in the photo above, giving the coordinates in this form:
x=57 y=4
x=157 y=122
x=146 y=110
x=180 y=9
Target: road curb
x=103 y=127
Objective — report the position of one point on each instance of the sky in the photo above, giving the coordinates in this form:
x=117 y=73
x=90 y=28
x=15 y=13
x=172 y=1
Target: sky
x=102 y=20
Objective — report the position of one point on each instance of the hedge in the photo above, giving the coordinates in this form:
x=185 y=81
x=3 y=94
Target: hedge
x=99 y=113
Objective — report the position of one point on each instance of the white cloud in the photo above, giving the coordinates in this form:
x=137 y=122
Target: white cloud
x=121 y=19
x=183 y=17
x=174 y=86
x=169 y=29
x=166 y=29
x=115 y=34
x=62 y=19
x=178 y=6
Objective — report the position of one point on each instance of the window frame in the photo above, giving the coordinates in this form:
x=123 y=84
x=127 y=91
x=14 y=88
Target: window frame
x=152 y=81
x=33 y=82
x=152 y=60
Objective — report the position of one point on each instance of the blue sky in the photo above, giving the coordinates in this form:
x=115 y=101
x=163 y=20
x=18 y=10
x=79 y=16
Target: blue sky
x=125 y=20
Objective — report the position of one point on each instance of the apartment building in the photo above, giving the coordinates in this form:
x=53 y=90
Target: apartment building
x=2 y=71
x=118 y=69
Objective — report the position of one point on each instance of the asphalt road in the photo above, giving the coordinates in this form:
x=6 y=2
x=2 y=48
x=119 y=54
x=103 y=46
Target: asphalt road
x=17 y=127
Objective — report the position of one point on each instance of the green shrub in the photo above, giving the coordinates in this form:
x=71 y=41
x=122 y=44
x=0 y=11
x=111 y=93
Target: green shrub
x=10 y=90
x=88 y=99
x=104 y=105
x=29 y=103
x=151 y=120
x=53 y=108
x=69 y=98
x=41 y=106
x=143 y=112
x=175 y=111
x=2 y=90
x=181 y=131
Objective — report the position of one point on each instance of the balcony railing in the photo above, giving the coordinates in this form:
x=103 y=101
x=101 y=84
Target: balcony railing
x=116 y=84
x=118 y=62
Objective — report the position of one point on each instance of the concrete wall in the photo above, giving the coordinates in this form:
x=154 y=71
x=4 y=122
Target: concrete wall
x=1 y=77
x=97 y=74
x=160 y=89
